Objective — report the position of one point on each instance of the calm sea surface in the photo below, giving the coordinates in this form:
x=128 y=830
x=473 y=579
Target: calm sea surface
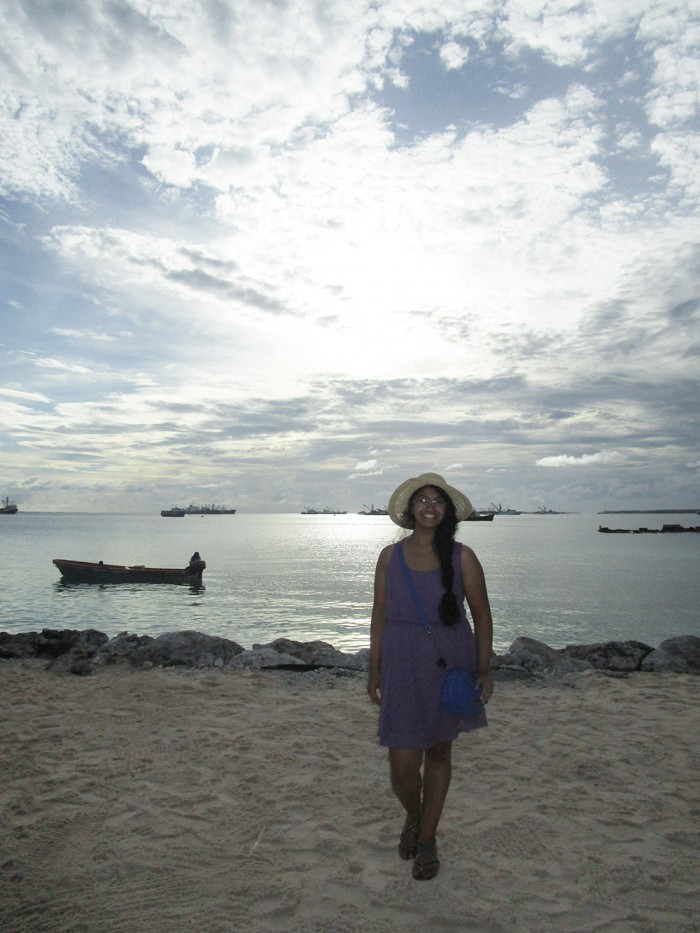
x=550 y=577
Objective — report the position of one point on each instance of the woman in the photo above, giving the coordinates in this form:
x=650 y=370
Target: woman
x=405 y=678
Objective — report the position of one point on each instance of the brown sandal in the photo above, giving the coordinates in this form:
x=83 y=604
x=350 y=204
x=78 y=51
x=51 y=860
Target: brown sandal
x=426 y=864
x=406 y=850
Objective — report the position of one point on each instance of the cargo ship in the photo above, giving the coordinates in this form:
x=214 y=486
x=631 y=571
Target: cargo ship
x=212 y=509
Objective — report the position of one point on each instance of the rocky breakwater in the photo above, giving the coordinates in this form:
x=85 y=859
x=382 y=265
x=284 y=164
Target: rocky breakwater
x=89 y=651
x=680 y=655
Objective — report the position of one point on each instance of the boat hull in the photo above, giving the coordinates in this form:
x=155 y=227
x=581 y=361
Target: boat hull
x=77 y=571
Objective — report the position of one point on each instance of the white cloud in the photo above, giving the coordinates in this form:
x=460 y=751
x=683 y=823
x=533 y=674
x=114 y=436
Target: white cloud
x=453 y=55
x=366 y=466
x=83 y=334
x=605 y=458
x=338 y=226
x=7 y=391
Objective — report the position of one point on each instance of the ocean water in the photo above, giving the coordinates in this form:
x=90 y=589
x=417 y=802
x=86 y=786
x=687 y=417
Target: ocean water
x=550 y=577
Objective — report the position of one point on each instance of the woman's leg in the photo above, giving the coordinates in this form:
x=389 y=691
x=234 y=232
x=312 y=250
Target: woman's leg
x=437 y=774
x=406 y=782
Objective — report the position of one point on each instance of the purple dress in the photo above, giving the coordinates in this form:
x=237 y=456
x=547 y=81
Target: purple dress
x=410 y=714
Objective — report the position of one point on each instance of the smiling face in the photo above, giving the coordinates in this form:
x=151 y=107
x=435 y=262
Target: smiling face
x=428 y=506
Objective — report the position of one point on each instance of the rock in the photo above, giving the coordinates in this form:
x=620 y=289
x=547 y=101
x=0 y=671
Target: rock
x=614 y=656
x=315 y=653
x=610 y=655
x=188 y=649
x=75 y=661
x=263 y=658
x=49 y=643
x=68 y=650
x=680 y=655
x=172 y=649
x=531 y=655
x=18 y=645
x=122 y=649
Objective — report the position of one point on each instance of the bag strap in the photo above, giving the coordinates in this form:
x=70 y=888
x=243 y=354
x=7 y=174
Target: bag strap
x=412 y=588
x=419 y=605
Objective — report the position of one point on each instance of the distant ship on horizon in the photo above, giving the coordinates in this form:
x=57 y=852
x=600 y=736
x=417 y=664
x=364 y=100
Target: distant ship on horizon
x=370 y=510
x=499 y=510
x=212 y=509
x=8 y=507
x=177 y=511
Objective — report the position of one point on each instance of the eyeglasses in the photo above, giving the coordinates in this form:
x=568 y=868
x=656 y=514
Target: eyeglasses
x=424 y=500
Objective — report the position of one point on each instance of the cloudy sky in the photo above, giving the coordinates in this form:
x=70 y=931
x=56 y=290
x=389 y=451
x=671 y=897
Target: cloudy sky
x=279 y=253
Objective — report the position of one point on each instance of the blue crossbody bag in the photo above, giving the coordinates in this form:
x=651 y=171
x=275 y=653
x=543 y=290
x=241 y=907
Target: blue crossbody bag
x=459 y=693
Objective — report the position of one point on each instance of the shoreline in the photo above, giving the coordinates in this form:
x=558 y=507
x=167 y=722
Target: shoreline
x=259 y=800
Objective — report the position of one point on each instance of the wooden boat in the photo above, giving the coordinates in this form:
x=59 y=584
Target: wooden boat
x=80 y=571
x=481 y=517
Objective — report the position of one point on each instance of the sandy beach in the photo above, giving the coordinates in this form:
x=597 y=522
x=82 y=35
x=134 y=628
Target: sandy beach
x=223 y=801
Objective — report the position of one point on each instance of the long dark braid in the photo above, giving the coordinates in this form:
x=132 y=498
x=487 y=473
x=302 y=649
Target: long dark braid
x=444 y=543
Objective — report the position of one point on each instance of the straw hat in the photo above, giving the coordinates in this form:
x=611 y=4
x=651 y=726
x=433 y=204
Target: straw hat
x=401 y=495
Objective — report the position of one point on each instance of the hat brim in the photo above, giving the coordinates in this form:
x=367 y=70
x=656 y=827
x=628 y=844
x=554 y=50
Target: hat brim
x=401 y=495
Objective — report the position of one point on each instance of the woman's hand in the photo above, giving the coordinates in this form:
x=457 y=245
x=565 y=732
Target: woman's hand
x=485 y=683
x=377 y=624
x=474 y=586
x=373 y=687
